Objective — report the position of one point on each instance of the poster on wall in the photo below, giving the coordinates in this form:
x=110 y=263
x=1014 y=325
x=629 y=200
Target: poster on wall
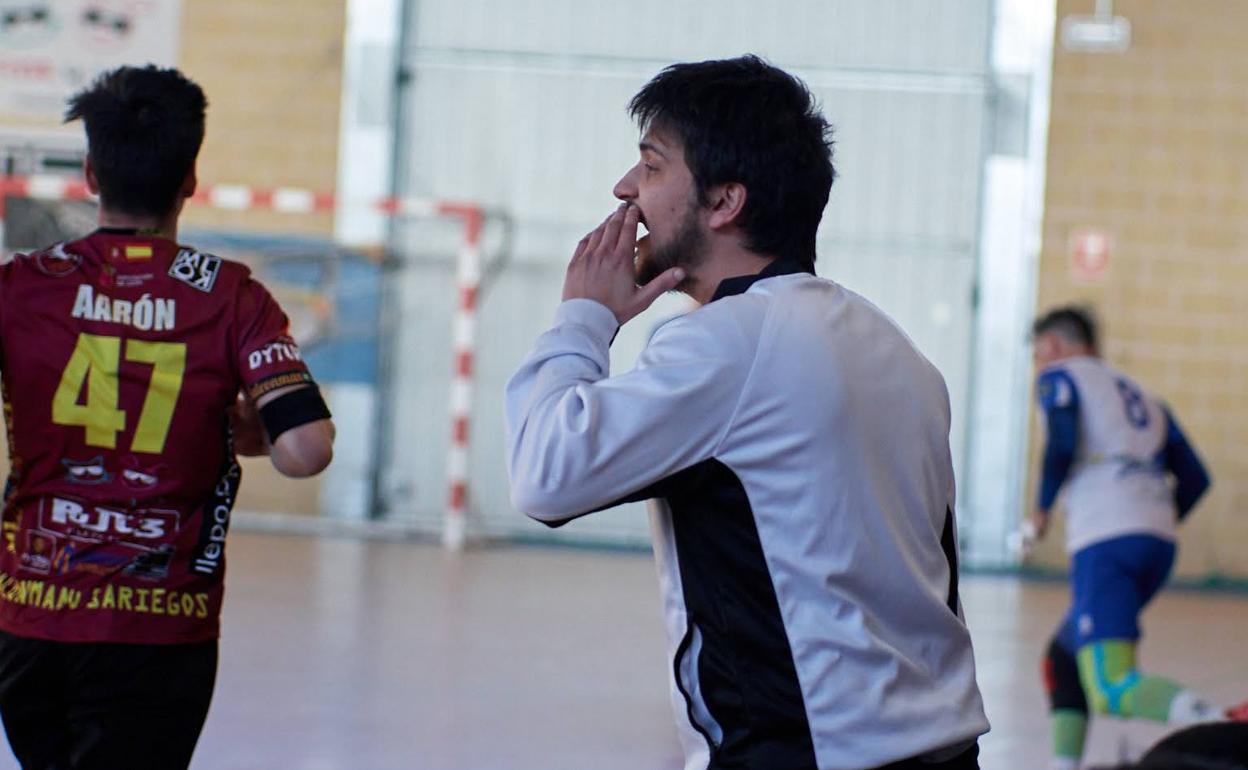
x=1090 y=248
x=49 y=49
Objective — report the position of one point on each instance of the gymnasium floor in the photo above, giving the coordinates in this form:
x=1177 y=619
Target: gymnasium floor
x=344 y=654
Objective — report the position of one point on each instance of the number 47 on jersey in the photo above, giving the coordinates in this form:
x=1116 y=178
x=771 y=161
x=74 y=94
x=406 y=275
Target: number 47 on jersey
x=95 y=362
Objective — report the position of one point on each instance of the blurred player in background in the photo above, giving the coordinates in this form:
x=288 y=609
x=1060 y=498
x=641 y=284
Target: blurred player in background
x=123 y=357
x=1129 y=476
x=795 y=441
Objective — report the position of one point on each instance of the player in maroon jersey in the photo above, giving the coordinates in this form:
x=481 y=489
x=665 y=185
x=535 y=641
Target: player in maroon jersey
x=123 y=357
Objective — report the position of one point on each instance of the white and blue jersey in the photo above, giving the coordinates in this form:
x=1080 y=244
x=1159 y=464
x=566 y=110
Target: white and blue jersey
x=1117 y=453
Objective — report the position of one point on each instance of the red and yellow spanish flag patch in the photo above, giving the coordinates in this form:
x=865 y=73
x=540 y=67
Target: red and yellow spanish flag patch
x=137 y=251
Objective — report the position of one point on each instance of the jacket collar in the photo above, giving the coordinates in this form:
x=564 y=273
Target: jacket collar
x=741 y=283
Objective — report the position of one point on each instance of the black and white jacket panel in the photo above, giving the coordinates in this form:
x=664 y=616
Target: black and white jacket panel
x=796 y=445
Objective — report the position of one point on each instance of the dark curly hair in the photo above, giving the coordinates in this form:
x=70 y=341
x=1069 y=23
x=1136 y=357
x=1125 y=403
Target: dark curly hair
x=743 y=120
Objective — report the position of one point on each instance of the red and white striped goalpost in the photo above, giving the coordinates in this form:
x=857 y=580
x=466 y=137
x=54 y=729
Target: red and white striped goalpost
x=464 y=342
x=293 y=200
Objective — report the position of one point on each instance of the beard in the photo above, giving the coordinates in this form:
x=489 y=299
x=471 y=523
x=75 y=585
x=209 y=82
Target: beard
x=686 y=249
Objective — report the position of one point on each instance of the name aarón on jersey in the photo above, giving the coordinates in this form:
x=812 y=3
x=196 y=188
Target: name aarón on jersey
x=145 y=313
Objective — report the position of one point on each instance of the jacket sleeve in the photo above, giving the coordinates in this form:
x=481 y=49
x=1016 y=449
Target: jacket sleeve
x=579 y=439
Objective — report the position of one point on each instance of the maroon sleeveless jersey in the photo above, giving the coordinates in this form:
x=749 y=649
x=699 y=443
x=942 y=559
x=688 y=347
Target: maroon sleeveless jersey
x=120 y=356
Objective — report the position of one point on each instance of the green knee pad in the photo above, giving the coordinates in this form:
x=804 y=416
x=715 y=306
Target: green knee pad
x=1115 y=686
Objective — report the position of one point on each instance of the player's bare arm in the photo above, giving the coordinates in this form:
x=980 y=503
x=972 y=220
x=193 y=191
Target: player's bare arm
x=300 y=451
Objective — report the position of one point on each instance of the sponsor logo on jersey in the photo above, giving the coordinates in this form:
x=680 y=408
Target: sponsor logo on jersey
x=138 y=479
x=10 y=528
x=270 y=384
x=41 y=551
x=277 y=352
x=215 y=521
x=131 y=280
x=96 y=562
x=195 y=269
x=86 y=471
x=1086 y=626
x=136 y=476
x=47 y=554
x=153 y=565
x=1134 y=466
x=100 y=524
x=138 y=251
x=56 y=262
x=47 y=596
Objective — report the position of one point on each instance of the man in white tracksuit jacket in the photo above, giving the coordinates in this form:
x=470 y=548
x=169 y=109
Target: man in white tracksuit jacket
x=794 y=441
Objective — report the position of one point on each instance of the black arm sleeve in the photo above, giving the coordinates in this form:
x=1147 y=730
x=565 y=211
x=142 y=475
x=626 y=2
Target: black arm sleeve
x=290 y=410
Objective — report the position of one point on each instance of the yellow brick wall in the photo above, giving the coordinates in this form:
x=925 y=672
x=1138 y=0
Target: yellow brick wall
x=1152 y=147
x=272 y=72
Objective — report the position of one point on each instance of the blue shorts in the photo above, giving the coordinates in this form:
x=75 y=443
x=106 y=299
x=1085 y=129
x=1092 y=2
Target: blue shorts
x=1111 y=582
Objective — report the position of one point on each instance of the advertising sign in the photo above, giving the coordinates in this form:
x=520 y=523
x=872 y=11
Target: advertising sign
x=50 y=49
